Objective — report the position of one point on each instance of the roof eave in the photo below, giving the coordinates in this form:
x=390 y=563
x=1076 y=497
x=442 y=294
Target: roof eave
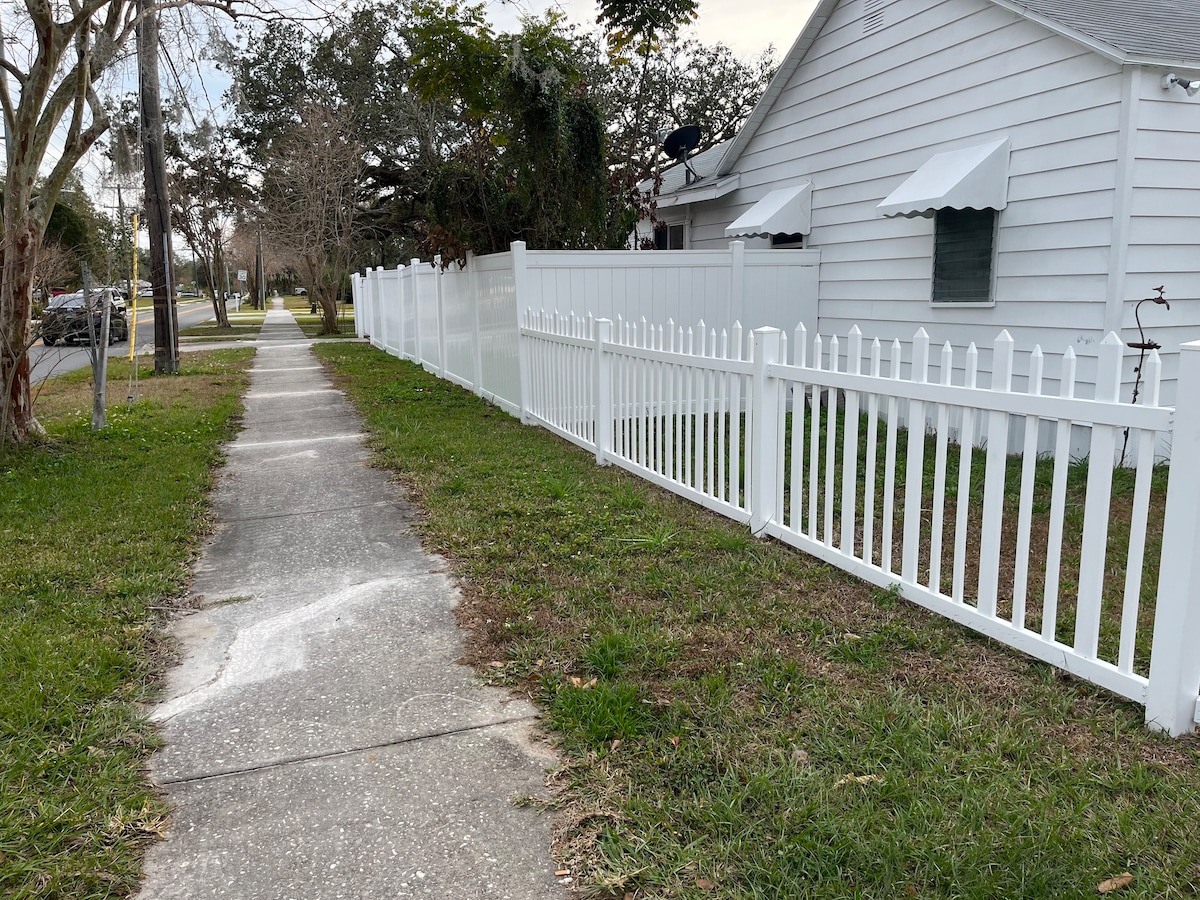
x=698 y=192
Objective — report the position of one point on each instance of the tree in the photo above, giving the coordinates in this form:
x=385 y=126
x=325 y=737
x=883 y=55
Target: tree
x=532 y=164
x=206 y=185
x=62 y=50
x=363 y=66
x=312 y=182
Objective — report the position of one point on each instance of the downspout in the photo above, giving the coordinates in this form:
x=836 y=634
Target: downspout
x=1118 y=257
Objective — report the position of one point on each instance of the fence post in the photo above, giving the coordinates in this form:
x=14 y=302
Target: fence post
x=1175 y=659
x=441 y=316
x=737 y=281
x=520 y=290
x=764 y=433
x=415 y=285
x=355 y=298
x=400 y=338
x=476 y=337
x=602 y=380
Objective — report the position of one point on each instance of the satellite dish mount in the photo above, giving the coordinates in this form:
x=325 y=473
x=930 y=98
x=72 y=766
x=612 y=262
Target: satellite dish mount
x=678 y=144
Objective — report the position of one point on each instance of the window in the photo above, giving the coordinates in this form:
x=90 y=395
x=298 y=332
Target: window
x=669 y=237
x=962 y=255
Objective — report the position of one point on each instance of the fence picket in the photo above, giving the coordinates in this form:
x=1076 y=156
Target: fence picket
x=872 y=450
x=850 y=446
x=937 y=523
x=966 y=444
x=1152 y=377
x=993 y=480
x=889 y=462
x=1058 y=501
x=814 y=449
x=914 y=470
x=831 y=417
x=1025 y=508
x=1099 y=492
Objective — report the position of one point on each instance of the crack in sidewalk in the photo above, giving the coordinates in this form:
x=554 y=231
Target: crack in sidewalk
x=334 y=754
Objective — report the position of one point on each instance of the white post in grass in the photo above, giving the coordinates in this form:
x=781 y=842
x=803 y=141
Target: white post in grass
x=438 y=291
x=1175 y=658
x=415 y=287
x=764 y=433
x=602 y=382
x=520 y=272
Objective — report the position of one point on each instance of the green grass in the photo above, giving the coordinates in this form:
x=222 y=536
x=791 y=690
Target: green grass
x=710 y=692
x=237 y=331
x=96 y=533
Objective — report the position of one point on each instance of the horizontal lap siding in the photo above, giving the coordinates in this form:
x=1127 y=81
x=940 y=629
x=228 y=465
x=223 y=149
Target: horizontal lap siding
x=1164 y=227
x=862 y=112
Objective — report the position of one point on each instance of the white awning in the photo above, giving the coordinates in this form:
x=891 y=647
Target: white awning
x=974 y=177
x=783 y=211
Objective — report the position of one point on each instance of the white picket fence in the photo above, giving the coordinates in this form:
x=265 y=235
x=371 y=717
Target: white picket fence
x=812 y=448
x=813 y=453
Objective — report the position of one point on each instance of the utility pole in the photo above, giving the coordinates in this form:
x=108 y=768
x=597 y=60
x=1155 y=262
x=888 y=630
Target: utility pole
x=158 y=216
x=260 y=275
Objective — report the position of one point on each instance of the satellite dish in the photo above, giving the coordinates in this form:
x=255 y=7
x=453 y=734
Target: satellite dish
x=678 y=144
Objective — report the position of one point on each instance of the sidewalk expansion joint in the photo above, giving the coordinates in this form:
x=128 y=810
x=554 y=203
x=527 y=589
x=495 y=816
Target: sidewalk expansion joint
x=253 y=445
x=377 y=504
x=335 y=754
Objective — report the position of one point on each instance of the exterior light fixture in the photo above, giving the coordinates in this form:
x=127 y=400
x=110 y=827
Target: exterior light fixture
x=1192 y=87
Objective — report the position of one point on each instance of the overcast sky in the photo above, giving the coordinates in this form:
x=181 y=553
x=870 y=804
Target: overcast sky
x=747 y=27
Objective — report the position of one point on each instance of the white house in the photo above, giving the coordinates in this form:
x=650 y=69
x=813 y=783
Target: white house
x=973 y=165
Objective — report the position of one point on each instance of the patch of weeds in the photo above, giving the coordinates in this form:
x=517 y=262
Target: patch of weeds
x=601 y=713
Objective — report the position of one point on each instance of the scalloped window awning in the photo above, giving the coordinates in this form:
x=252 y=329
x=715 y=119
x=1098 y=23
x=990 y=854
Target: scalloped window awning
x=782 y=211
x=970 y=178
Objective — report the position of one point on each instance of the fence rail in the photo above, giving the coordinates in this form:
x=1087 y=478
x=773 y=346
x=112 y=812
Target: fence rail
x=897 y=470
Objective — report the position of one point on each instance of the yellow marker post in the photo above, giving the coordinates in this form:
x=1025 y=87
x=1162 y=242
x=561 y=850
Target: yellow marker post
x=134 y=290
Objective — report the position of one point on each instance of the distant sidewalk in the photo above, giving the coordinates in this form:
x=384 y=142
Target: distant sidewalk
x=321 y=740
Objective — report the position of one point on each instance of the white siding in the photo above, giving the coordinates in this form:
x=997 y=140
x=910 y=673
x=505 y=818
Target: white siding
x=863 y=111
x=1164 y=226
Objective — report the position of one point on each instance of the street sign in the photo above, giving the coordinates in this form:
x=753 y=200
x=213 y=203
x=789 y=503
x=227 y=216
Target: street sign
x=242 y=273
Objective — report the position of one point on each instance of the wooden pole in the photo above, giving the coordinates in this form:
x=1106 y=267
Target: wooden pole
x=158 y=217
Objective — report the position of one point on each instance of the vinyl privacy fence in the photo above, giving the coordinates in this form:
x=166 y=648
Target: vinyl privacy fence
x=462 y=323
x=894 y=466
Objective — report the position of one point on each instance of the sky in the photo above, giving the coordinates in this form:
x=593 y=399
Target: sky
x=748 y=28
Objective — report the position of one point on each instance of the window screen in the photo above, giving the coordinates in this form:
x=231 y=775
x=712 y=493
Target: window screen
x=962 y=255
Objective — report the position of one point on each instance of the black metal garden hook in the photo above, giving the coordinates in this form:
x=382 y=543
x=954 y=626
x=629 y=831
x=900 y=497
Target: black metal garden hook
x=1142 y=346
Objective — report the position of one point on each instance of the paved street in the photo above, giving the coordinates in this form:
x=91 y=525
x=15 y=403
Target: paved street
x=47 y=362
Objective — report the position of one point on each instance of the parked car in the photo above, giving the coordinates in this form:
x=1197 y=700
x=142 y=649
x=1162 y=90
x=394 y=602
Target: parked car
x=301 y=292
x=66 y=318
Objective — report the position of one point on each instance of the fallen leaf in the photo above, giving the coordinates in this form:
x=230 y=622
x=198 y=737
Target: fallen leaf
x=800 y=756
x=576 y=681
x=704 y=884
x=858 y=779
x=562 y=872
x=495 y=664
x=675 y=741
x=1125 y=879
x=615 y=744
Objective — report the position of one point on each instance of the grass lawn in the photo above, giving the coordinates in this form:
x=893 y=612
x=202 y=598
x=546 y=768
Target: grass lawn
x=738 y=720
x=96 y=534
x=237 y=331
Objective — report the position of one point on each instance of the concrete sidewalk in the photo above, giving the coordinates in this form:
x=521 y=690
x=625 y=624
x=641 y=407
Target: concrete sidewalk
x=321 y=741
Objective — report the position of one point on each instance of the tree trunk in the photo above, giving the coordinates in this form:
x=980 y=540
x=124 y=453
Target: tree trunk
x=220 y=310
x=329 y=322
x=21 y=239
